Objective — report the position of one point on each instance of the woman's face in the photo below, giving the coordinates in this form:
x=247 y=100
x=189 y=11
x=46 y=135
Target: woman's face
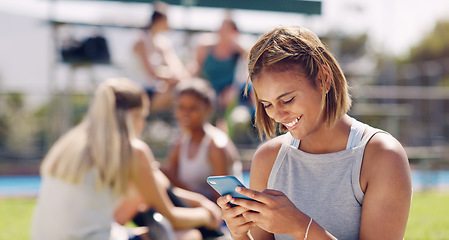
x=191 y=111
x=291 y=100
x=227 y=31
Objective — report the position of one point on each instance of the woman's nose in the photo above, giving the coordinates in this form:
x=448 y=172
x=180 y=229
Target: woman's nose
x=279 y=113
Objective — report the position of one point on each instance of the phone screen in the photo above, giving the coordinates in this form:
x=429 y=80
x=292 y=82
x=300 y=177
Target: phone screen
x=226 y=185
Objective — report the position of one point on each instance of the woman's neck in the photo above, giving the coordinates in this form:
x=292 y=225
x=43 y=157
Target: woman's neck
x=328 y=140
x=223 y=50
x=156 y=30
x=197 y=134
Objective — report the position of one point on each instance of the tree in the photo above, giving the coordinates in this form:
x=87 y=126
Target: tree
x=434 y=46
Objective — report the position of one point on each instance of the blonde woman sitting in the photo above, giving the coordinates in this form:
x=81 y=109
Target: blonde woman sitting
x=90 y=170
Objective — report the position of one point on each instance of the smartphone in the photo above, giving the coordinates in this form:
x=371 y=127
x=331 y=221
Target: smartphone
x=226 y=185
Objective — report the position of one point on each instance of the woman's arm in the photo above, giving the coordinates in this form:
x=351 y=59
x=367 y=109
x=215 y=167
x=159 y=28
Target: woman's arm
x=242 y=52
x=197 y=200
x=385 y=179
x=155 y=195
x=219 y=163
x=175 y=66
x=218 y=159
x=272 y=212
x=261 y=166
x=262 y=163
x=200 y=56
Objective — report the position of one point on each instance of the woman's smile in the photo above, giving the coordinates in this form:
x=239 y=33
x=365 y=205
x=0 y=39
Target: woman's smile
x=292 y=124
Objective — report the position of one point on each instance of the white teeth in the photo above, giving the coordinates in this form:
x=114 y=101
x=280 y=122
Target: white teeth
x=290 y=124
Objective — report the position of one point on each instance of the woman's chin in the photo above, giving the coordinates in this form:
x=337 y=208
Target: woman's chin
x=296 y=135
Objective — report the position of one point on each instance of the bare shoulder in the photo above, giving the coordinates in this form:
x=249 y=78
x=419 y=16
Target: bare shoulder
x=385 y=160
x=383 y=150
x=214 y=148
x=269 y=149
x=386 y=181
x=175 y=145
x=139 y=145
x=263 y=162
x=142 y=150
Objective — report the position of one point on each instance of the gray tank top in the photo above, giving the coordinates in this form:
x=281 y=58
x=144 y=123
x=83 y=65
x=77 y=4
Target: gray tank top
x=326 y=187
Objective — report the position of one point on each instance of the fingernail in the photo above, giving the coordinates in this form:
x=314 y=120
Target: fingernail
x=238 y=189
x=228 y=197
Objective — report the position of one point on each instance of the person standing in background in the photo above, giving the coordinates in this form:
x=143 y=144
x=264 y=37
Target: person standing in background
x=217 y=63
x=154 y=61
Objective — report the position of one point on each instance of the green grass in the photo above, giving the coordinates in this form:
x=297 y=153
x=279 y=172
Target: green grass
x=15 y=218
x=429 y=217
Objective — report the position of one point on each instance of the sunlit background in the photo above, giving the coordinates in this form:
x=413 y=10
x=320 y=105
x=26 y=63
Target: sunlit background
x=395 y=54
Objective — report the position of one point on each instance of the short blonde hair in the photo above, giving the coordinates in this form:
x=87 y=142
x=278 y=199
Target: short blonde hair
x=299 y=50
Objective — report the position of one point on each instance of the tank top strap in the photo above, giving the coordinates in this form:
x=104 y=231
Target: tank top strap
x=184 y=146
x=356 y=134
x=359 y=153
x=203 y=149
x=293 y=141
x=370 y=132
x=287 y=142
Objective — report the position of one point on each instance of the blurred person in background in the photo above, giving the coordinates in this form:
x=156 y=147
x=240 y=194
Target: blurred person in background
x=90 y=172
x=217 y=62
x=329 y=176
x=201 y=150
x=155 y=63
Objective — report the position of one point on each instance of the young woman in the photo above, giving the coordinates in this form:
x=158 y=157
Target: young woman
x=154 y=61
x=330 y=176
x=218 y=63
x=101 y=161
x=202 y=150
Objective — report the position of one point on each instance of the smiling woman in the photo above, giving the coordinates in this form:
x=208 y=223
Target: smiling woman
x=303 y=103
x=312 y=182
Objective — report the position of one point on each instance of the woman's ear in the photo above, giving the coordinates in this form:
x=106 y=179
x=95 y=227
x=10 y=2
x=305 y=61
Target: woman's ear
x=326 y=79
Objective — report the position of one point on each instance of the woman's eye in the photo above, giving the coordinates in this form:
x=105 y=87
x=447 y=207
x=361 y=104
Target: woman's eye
x=266 y=105
x=288 y=101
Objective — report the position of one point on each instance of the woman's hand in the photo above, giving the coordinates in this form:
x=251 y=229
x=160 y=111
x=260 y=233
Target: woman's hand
x=233 y=217
x=272 y=211
x=215 y=214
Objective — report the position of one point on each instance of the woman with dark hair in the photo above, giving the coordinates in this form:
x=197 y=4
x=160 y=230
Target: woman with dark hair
x=201 y=150
x=217 y=63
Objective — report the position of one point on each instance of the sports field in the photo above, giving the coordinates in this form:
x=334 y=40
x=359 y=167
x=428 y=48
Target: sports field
x=429 y=218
